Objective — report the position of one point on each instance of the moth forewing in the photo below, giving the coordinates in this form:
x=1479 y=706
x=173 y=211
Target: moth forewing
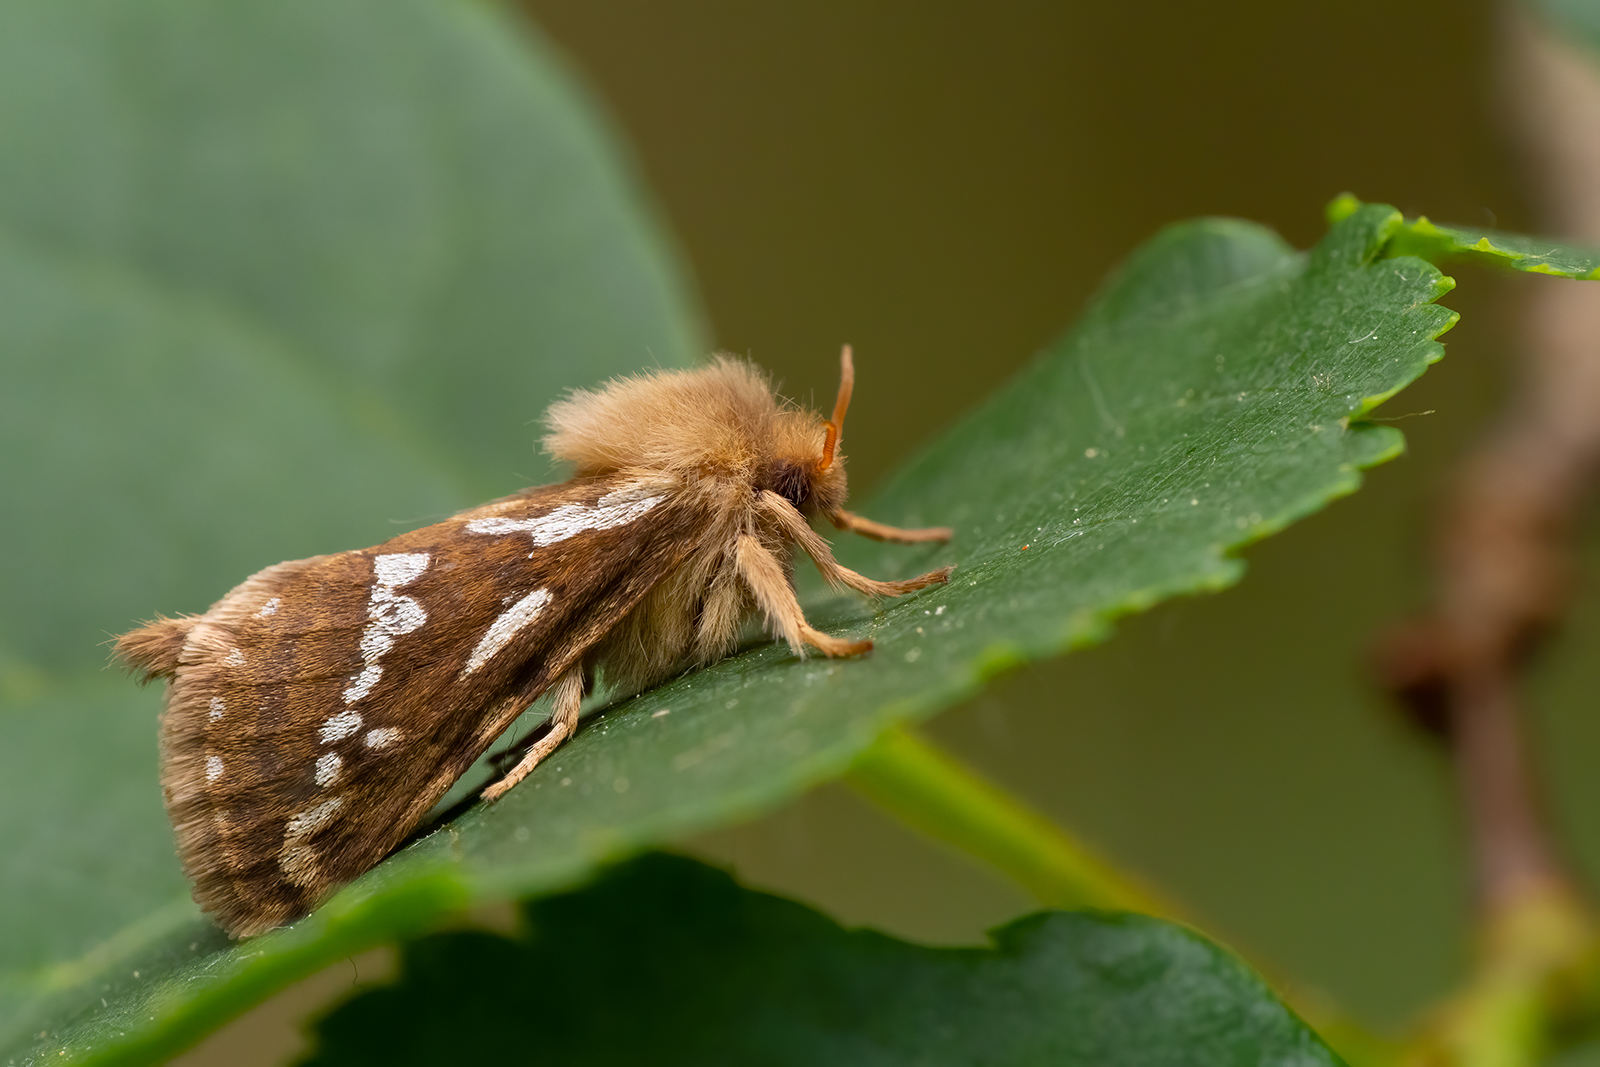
x=317 y=711
x=322 y=707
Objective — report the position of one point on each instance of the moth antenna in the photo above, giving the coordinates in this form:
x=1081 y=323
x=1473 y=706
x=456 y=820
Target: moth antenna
x=847 y=382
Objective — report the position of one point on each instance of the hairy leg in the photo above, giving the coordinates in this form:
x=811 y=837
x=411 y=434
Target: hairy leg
x=568 y=692
x=849 y=520
x=794 y=527
x=764 y=575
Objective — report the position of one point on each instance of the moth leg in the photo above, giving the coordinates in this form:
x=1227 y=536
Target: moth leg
x=720 y=616
x=568 y=692
x=794 y=527
x=764 y=575
x=849 y=520
x=833 y=646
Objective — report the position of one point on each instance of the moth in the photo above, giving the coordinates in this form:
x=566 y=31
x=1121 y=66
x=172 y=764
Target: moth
x=317 y=712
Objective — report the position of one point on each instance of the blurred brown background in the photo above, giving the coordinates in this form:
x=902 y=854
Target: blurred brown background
x=944 y=185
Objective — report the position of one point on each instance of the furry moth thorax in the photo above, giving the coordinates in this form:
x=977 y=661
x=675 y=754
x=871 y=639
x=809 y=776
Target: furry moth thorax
x=315 y=713
x=720 y=423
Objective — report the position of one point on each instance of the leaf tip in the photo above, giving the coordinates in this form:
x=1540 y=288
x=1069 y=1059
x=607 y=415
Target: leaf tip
x=1341 y=207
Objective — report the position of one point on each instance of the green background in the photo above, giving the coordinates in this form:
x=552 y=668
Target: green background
x=944 y=188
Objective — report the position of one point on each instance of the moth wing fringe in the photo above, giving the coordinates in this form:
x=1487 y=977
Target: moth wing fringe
x=221 y=881
x=152 y=651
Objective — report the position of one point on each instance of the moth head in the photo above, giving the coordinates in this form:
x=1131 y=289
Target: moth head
x=808 y=467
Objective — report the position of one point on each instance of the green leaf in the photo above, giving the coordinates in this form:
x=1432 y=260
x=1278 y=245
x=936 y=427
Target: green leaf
x=1491 y=248
x=1484 y=248
x=667 y=961
x=1211 y=395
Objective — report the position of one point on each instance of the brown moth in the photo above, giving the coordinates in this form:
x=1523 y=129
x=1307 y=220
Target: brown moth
x=321 y=708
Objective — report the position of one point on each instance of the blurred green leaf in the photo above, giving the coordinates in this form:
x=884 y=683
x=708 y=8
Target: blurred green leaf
x=667 y=961
x=1211 y=395
x=277 y=277
x=1577 y=20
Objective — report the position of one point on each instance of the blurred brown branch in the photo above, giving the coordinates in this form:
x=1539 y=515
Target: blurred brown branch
x=1504 y=571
